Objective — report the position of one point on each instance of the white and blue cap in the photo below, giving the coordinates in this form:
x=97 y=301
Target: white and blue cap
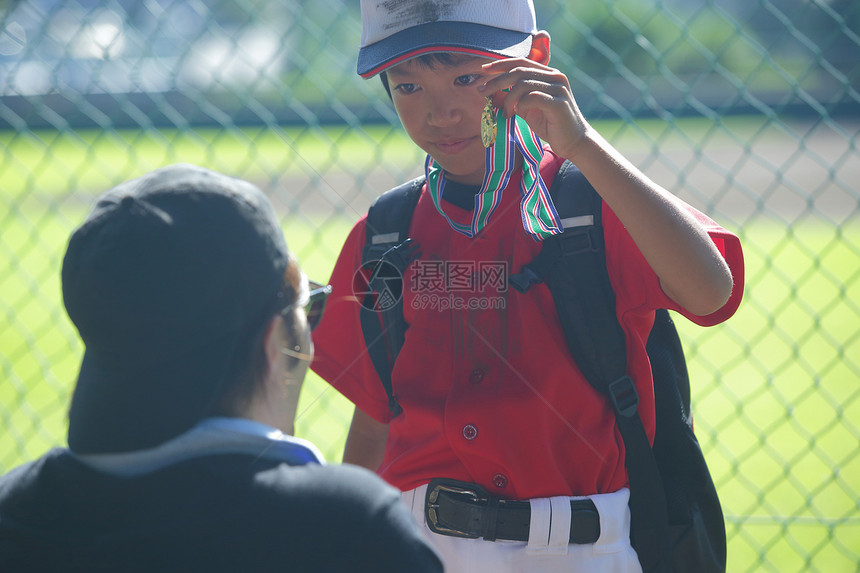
x=395 y=31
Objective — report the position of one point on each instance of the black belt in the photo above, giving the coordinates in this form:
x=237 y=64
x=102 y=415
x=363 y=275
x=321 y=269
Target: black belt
x=461 y=509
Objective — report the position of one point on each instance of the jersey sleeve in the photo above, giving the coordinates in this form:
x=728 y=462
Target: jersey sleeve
x=340 y=352
x=730 y=248
x=636 y=283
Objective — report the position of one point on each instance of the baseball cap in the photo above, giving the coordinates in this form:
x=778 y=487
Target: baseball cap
x=392 y=32
x=166 y=281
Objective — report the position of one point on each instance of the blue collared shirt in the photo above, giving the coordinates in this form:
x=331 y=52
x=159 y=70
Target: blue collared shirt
x=210 y=436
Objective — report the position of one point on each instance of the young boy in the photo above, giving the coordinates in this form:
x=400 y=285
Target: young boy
x=489 y=392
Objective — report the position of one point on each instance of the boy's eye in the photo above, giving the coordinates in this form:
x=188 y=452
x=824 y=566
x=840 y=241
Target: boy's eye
x=406 y=88
x=467 y=79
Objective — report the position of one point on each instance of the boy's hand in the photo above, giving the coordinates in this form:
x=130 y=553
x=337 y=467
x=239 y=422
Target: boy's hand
x=542 y=96
x=674 y=242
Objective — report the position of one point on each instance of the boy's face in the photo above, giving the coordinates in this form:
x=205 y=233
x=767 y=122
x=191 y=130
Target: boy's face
x=440 y=109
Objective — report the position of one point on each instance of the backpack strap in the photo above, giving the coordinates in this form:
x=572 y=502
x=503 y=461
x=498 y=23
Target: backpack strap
x=573 y=264
x=387 y=253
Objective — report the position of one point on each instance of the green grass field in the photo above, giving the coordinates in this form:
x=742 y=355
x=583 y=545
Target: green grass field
x=775 y=389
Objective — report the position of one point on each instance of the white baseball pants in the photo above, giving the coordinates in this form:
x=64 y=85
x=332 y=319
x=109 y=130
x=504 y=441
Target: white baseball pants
x=547 y=550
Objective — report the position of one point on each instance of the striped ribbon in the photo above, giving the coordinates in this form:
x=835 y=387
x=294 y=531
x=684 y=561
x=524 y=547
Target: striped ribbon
x=539 y=216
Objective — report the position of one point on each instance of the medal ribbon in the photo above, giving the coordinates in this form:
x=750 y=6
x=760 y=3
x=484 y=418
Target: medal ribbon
x=539 y=216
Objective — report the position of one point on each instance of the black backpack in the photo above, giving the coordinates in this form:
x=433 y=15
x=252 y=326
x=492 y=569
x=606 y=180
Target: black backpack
x=677 y=522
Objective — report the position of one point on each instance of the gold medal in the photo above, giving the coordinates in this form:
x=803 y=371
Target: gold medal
x=488 y=124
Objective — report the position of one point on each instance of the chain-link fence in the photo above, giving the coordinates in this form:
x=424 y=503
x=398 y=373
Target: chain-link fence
x=747 y=109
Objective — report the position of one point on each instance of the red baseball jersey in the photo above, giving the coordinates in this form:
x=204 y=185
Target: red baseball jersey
x=489 y=391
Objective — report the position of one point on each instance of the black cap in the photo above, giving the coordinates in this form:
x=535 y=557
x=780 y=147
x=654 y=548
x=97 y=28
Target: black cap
x=165 y=280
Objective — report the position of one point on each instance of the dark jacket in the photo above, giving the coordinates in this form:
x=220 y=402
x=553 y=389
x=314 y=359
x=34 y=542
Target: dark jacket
x=228 y=512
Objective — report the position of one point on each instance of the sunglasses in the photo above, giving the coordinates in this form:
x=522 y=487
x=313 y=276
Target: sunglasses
x=314 y=305
x=316 y=302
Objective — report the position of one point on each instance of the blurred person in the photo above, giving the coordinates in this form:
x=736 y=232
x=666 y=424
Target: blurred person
x=196 y=323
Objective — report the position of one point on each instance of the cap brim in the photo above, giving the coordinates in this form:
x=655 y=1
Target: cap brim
x=126 y=407
x=473 y=39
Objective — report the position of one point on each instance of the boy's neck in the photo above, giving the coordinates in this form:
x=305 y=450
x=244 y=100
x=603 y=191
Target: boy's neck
x=460 y=195
x=518 y=164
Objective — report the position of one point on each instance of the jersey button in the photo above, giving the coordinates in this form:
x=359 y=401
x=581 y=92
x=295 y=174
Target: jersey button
x=500 y=480
x=476 y=376
x=470 y=432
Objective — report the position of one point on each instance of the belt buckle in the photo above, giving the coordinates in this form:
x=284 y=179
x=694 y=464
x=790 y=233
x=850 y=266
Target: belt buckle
x=437 y=486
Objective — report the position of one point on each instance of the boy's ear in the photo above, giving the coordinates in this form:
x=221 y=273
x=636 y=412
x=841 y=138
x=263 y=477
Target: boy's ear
x=540 y=48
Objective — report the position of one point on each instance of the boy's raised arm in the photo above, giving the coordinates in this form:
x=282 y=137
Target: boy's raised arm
x=691 y=270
